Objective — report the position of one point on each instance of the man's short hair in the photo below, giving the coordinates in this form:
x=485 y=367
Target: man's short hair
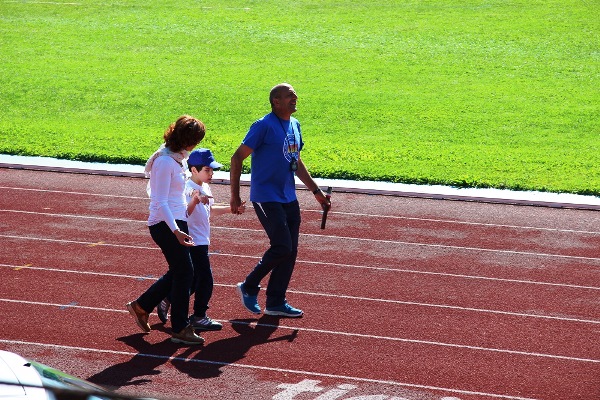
x=276 y=90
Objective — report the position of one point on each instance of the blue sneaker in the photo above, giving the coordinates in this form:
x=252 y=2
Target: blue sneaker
x=250 y=302
x=284 y=310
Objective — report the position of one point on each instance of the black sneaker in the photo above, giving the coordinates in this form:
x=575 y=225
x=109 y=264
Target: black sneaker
x=205 y=324
x=163 y=310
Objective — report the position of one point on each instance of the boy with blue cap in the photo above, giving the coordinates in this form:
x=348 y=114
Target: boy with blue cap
x=201 y=206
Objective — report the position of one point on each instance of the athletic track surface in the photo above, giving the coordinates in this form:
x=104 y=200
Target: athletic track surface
x=404 y=298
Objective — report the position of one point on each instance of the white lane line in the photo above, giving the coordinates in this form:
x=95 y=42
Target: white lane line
x=86 y=243
x=262 y=368
x=442 y=246
x=415 y=271
x=92 y=217
x=76 y=193
x=457 y=222
x=347 y=334
x=453 y=247
x=368 y=267
x=388 y=269
x=449 y=307
x=444 y=274
x=395 y=242
x=340 y=333
x=426 y=342
x=337 y=296
x=376 y=216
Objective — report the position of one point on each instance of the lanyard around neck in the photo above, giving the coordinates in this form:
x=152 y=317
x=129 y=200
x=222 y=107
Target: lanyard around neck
x=292 y=140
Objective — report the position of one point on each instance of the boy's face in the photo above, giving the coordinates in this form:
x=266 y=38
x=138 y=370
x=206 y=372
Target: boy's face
x=204 y=175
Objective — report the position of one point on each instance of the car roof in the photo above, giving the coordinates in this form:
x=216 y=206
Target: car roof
x=18 y=377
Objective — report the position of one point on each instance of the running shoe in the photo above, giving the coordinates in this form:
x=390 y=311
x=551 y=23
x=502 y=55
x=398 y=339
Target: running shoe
x=205 y=324
x=284 y=310
x=250 y=302
x=163 y=310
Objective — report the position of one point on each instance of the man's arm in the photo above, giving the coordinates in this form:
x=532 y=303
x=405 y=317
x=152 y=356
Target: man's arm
x=237 y=160
x=303 y=174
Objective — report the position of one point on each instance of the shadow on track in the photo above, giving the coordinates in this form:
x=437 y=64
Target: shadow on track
x=208 y=362
x=146 y=362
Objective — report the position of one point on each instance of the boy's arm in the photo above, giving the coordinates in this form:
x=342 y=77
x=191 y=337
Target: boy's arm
x=192 y=203
x=222 y=208
x=196 y=198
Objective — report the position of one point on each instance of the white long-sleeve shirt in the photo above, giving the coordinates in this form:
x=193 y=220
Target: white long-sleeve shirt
x=167 y=196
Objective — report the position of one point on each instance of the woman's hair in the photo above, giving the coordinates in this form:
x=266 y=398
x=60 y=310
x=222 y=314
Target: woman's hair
x=185 y=132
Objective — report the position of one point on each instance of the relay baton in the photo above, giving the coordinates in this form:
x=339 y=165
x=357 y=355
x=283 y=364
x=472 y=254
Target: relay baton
x=326 y=207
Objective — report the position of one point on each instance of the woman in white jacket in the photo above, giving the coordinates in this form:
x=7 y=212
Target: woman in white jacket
x=167 y=223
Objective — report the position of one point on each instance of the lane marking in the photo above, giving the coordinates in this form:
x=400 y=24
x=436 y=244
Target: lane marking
x=394 y=242
x=446 y=274
x=400 y=270
x=263 y=368
x=75 y=193
x=375 y=216
x=357 y=298
x=20 y=267
x=341 y=333
x=444 y=306
x=418 y=341
x=78 y=242
x=453 y=247
x=453 y=221
x=70 y=305
x=330 y=264
x=93 y=217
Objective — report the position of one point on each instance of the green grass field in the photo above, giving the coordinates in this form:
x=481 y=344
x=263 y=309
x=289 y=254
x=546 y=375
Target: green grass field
x=473 y=93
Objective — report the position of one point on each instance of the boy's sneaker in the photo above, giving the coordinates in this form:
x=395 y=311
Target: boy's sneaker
x=187 y=336
x=140 y=316
x=284 y=310
x=250 y=302
x=163 y=310
x=205 y=324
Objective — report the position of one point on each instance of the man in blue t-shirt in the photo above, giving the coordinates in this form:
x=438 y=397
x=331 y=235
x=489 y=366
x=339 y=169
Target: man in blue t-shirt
x=274 y=141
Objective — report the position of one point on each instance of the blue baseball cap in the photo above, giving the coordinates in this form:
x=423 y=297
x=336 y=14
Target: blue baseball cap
x=203 y=157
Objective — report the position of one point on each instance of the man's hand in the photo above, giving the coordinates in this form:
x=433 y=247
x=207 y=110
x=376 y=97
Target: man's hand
x=237 y=205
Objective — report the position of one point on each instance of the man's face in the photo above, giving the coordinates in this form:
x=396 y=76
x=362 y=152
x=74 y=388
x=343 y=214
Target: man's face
x=286 y=101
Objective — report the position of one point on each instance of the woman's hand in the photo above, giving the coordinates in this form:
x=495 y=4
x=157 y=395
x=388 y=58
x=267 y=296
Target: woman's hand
x=183 y=238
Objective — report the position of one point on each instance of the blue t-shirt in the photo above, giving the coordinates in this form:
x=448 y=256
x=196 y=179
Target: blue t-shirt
x=274 y=143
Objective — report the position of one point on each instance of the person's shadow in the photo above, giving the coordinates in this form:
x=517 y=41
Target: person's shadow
x=149 y=358
x=207 y=363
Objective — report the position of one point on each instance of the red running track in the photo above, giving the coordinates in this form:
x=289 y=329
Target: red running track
x=404 y=298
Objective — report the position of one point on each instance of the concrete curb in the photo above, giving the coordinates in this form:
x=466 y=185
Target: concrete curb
x=531 y=198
